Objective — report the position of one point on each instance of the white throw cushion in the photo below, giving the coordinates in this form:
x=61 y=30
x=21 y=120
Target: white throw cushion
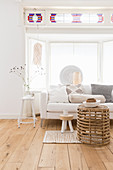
x=58 y=95
x=74 y=89
x=86 y=88
x=79 y=98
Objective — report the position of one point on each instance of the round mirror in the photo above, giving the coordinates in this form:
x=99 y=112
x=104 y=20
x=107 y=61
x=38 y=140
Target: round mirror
x=66 y=74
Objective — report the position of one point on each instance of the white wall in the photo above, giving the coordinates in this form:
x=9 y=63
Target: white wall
x=70 y=3
x=11 y=54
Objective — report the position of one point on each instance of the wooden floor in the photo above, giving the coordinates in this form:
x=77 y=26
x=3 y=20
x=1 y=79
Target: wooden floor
x=22 y=149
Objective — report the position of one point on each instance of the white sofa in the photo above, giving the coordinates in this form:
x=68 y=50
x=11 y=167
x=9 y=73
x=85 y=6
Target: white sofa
x=53 y=110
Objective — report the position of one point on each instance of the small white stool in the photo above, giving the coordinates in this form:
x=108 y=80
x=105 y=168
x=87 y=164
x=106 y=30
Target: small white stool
x=31 y=99
x=66 y=118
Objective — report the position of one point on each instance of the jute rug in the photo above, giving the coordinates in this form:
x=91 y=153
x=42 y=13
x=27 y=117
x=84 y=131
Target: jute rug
x=58 y=137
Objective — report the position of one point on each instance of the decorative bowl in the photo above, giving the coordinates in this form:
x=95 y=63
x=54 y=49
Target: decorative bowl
x=91 y=104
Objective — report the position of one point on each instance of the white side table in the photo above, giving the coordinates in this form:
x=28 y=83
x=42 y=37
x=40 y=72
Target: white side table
x=65 y=117
x=31 y=99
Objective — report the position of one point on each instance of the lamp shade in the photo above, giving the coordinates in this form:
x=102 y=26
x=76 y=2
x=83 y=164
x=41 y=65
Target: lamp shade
x=77 y=78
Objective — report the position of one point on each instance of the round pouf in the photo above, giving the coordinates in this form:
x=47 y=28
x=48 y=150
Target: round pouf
x=93 y=125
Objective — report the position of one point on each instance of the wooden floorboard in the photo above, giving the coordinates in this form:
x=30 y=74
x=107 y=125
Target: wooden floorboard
x=46 y=168
x=109 y=165
x=92 y=158
x=32 y=158
x=48 y=156
x=77 y=159
x=62 y=157
x=13 y=137
x=12 y=166
x=23 y=149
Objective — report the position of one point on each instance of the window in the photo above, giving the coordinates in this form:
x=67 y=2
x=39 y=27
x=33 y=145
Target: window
x=67 y=17
x=94 y=61
x=61 y=18
x=36 y=74
x=85 y=18
x=96 y=18
x=34 y=17
x=61 y=56
x=108 y=62
x=111 y=18
x=83 y=55
x=76 y=18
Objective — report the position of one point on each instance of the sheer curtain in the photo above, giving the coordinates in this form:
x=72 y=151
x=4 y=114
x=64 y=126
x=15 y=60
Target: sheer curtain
x=108 y=62
x=83 y=55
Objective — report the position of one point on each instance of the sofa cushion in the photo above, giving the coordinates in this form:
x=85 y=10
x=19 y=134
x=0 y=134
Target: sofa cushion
x=74 y=89
x=86 y=88
x=59 y=107
x=105 y=90
x=71 y=107
x=58 y=95
x=79 y=98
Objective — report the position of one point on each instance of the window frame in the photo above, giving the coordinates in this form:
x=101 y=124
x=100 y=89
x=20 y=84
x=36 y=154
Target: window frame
x=27 y=58
x=107 y=13
x=48 y=58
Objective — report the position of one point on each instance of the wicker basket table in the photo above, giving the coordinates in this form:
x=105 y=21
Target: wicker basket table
x=93 y=125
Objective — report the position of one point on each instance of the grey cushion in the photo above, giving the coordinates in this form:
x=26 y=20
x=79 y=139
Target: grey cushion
x=105 y=90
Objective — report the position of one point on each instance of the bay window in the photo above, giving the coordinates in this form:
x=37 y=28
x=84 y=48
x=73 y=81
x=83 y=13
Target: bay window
x=93 y=58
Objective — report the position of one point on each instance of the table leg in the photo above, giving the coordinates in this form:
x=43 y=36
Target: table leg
x=63 y=126
x=33 y=112
x=21 y=113
x=70 y=126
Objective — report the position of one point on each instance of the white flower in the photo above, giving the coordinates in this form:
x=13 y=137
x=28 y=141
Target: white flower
x=21 y=72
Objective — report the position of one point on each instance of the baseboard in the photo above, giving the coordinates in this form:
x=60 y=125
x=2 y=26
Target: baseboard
x=12 y=116
x=9 y=116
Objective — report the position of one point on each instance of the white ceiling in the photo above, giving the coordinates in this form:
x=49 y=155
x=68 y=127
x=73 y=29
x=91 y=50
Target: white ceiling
x=69 y=3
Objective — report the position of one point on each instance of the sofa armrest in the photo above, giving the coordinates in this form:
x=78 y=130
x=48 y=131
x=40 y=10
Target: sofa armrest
x=43 y=104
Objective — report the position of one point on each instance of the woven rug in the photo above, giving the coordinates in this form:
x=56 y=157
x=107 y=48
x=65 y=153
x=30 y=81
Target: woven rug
x=58 y=137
